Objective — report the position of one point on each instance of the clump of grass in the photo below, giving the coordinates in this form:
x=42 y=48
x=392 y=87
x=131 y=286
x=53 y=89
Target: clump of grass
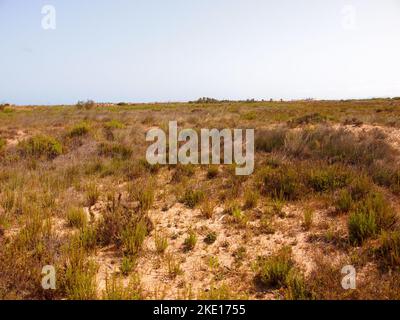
x=270 y=140
x=88 y=238
x=328 y=178
x=127 y=264
x=284 y=183
x=76 y=218
x=296 y=287
x=133 y=238
x=274 y=270
x=40 y=146
x=174 y=266
x=308 y=219
x=266 y=225
x=92 y=194
x=144 y=195
x=212 y=172
x=192 y=198
x=161 y=243
x=207 y=209
x=79 y=130
x=251 y=198
x=78 y=279
x=222 y=292
x=190 y=241
x=344 y=201
x=370 y=217
x=389 y=249
x=182 y=171
x=114 y=124
x=114 y=150
x=115 y=289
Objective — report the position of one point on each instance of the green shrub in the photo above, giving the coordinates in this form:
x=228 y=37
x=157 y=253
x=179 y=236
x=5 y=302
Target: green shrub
x=40 y=146
x=344 y=201
x=192 y=198
x=76 y=218
x=161 y=243
x=389 y=249
x=296 y=287
x=283 y=183
x=251 y=199
x=79 y=130
x=361 y=225
x=144 y=195
x=308 y=219
x=114 y=124
x=190 y=241
x=133 y=238
x=328 y=178
x=274 y=270
x=371 y=216
x=114 y=150
x=127 y=265
x=115 y=289
x=270 y=140
x=92 y=194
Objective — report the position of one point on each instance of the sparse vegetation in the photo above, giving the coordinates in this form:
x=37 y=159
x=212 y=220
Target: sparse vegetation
x=77 y=192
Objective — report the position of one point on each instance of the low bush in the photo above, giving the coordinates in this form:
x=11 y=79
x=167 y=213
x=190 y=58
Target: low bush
x=270 y=140
x=192 y=198
x=40 y=146
x=114 y=150
x=79 y=130
x=274 y=270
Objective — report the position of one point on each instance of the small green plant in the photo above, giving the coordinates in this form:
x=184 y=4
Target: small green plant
x=174 y=266
x=127 y=265
x=76 y=218
x=389 y=249
x=133 y=238
x=192 y=198
x=274 y=270
x=361 y=225
x=145 y=196
x=190 y=241
x=308 y=219
x=296 y=287
x=114 y=124
x=114 y=150
x=161 y=243
x=40 y=146
x=79 y=130
x=207 y=209
x=344 y=201
x=92 y=194
x=210 y=238
x=115 y=289
x=251 y=199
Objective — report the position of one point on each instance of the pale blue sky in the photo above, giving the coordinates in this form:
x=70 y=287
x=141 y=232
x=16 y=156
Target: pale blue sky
x=177 y=50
